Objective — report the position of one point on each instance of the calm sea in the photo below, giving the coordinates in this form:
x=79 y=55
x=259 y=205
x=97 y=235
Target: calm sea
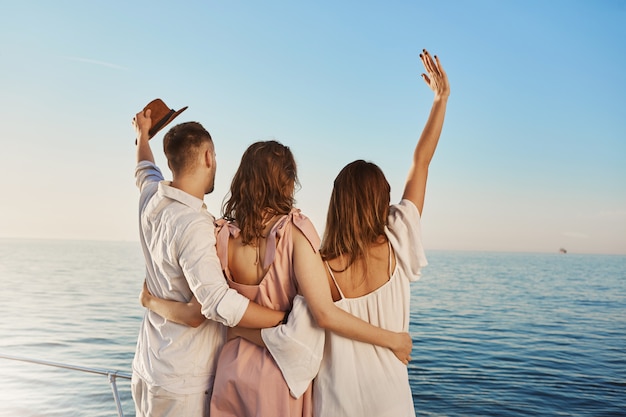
x=495 y=334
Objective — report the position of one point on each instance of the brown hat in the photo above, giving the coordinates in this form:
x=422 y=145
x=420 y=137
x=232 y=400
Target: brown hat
x=161 y=115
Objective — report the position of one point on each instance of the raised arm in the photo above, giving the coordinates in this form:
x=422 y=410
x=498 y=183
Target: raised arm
x=436 y=78
x=142 y=123
x=311 y=277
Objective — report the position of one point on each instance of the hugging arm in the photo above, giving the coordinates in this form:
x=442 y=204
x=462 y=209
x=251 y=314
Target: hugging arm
x=177 y=311
x=190 y=313
x=314 y=287
x=436 y=78
x=311 y=276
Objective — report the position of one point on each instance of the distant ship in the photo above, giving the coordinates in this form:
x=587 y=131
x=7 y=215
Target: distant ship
x=562 y=250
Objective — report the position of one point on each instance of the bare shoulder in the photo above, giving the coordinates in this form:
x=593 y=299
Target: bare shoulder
x=299 y=239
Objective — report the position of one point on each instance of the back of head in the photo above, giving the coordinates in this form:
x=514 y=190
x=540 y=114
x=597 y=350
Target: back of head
x=357 y=213
x=263 y=185
x=181 y=145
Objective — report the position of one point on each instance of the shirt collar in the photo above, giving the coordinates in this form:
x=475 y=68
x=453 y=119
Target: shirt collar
x=166 y=190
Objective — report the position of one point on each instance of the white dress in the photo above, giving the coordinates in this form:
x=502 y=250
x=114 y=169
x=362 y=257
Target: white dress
x=355 y=378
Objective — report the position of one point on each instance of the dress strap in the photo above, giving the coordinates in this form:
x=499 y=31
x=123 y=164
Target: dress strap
x=390 y=258
x=223 y=230
x=301 y=222
x=330 y=270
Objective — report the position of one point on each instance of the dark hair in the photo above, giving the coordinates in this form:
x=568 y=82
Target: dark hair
x=263 y=184
x=357 y=212
x=181 y=144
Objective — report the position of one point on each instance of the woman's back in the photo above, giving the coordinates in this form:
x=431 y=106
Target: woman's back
x=244 y=260
x=362 y=278
x=358 y=378
x=248 y=382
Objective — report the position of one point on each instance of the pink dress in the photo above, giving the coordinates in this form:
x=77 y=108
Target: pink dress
x=248 y=382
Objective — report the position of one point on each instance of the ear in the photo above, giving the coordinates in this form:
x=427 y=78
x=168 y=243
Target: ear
x=208 y=157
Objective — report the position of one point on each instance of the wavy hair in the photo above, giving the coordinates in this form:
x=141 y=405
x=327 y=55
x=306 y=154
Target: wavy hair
x=357 y=212
x=264 y=184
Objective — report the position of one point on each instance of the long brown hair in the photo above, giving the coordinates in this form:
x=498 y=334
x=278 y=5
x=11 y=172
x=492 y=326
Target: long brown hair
x=263 y=185
x=357 y=213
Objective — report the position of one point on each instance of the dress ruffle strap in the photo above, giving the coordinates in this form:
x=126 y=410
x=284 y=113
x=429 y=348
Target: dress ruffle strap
x=225 y=229
x=299 y=220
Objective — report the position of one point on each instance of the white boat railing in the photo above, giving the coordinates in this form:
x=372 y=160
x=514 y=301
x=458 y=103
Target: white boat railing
x=111 y=374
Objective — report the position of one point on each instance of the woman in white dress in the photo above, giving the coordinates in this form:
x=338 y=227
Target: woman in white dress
x=372 y=251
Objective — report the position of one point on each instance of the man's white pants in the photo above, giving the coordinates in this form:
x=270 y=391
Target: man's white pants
x=158 y=402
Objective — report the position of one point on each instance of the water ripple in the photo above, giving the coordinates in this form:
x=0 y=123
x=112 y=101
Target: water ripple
x=494 y=334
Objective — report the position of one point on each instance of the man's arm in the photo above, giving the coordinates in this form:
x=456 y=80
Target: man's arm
x=190 y=313
x=259 y=317
x=202 y=269
x=142 y=123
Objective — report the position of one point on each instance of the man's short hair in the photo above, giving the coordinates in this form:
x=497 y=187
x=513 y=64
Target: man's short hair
x=182 y=143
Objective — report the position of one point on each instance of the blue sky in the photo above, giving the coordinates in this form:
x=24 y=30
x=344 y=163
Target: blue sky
x=532 y=156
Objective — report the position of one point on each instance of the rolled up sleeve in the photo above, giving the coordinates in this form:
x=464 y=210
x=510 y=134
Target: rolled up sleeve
x=147 y=172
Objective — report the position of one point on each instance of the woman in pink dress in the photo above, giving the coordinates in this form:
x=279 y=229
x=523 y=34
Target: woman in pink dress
x=269 y=253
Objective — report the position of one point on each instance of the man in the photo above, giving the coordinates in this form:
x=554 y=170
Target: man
x=174 y=365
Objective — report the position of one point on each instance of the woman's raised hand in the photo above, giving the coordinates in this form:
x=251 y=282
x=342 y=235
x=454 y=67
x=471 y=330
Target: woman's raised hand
x=435 y=76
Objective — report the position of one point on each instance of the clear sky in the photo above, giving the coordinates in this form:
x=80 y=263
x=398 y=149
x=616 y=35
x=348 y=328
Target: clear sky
x=532 y=155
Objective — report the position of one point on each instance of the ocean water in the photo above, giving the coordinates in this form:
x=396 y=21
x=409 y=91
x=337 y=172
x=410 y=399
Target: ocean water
x=495 y=334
